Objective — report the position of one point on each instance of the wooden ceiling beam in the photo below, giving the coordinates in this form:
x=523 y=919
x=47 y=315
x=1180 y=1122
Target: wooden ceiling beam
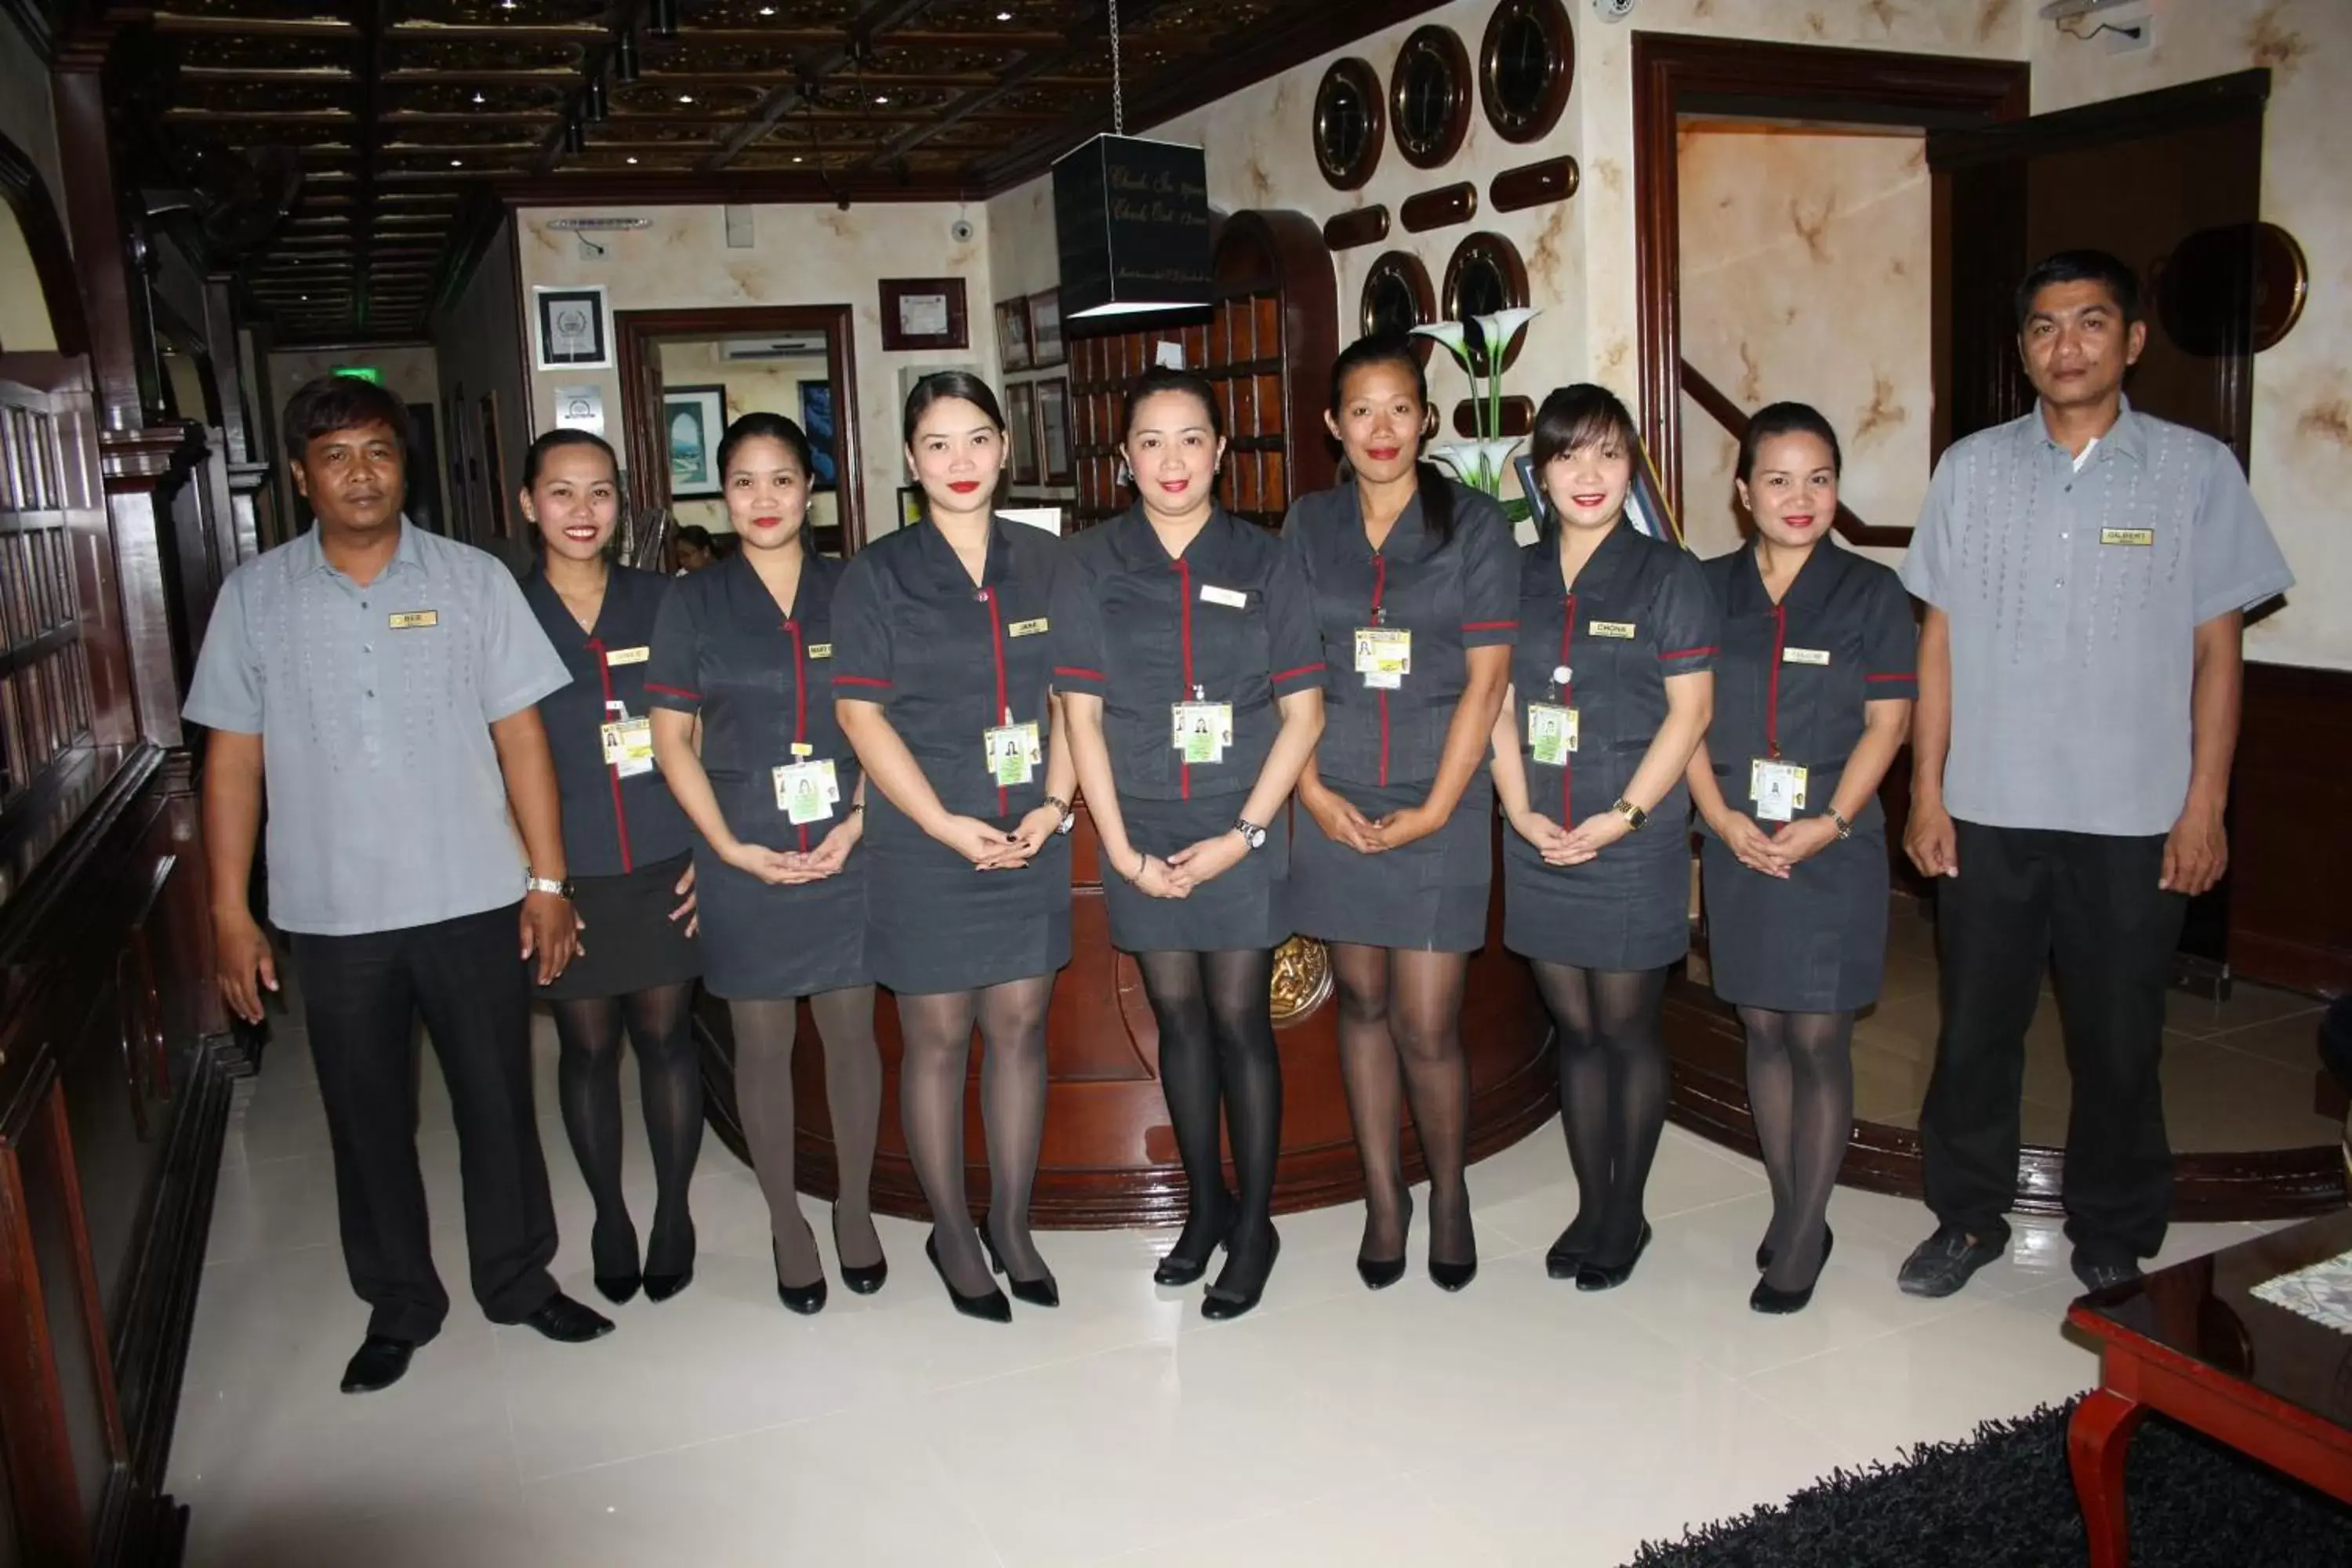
x=370 y=14
x=878 y=17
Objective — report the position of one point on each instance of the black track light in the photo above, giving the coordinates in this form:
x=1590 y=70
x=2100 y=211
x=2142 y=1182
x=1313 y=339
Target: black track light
x=663 y=23
x=592 y=100
x=624 y=58
x=575 y=138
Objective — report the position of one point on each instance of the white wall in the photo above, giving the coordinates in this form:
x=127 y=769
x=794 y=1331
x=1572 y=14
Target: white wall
x=801 y=256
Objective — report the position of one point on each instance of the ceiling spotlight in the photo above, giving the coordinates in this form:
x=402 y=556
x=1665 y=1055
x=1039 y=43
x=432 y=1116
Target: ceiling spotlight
x=593 y=100
x=633 y=158
x=881 y=98
x=797 y=158
x=767 y=10
x=686 y=98
x=478 y=99
x=456 y=162
x=663 y=24
x=1004 y=15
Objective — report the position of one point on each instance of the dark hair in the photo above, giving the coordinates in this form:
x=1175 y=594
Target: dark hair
x=694 y=534
x=1436 y=489
x=334 y=403
x=762 y=426
x=2099 y=267
x=1787 y=419
x=942 y=385
x=1161 y=378
x=1573 y=416
x=539 y=450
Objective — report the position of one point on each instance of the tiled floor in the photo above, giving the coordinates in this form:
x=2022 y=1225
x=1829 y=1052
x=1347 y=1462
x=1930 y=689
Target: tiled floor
x=1519 y=1422
x=2238 y=1075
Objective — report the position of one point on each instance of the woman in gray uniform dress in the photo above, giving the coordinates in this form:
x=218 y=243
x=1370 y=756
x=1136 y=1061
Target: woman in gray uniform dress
x=942 y=680
x=1414 y=582
x=1185 y=651
x=1813 y=692
x=1609 y=693
x=744 y=731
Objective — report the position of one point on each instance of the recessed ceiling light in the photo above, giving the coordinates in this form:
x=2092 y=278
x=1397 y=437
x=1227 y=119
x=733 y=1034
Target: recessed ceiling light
x=456 y=162
x=478 y=99
x=767 y=10
x=881 y=98
x=796 y=158
x=632 y=160
x=686 y=98
x=1004 y=15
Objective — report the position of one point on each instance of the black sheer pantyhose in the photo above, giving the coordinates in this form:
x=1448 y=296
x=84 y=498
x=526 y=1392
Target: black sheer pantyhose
x=1612 y=1094
x=766 y=1031
x=1801 y=1090
x=1217 y=1051
x=937 y=1031
x=669 y=1088
x=1402 y=1009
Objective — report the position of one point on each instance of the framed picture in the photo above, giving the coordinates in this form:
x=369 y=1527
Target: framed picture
x=1055 y=448
x=573 y=333
x=923 y=313
x=1021 y=413
x=1045 y=329
x=1013 y=333
x=910 y=505
x=695 y=417
x=495 y=469
x=816 y=418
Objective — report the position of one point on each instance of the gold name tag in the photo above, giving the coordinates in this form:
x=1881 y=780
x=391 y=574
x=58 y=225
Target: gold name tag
x=2127 y=536
x=621 y=656
x=1025 y=629
x=1609 y=629
x=407 y=618
x=820 y=650
x=1804 y=656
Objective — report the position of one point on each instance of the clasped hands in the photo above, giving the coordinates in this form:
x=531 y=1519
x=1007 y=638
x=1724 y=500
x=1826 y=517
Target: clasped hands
x=790 y=868
x=1774 y=852
x=1176 y=876
x=994 y=850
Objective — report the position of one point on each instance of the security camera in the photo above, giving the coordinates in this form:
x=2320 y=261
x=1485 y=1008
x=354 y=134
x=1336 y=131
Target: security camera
x=1613 y=10
x=960 y=231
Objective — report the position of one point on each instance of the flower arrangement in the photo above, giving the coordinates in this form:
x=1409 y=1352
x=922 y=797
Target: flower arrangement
x=1480 y=463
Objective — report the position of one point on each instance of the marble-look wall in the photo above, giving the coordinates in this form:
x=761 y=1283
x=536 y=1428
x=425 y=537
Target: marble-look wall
x=800 y=255
x=2302 y=459
x=1806 y=272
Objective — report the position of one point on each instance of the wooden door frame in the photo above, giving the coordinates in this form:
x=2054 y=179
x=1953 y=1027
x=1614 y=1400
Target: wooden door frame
x=1675 y=75
x=638 y=336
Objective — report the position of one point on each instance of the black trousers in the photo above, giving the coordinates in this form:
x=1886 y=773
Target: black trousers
x=2088 y=905
x=362 y=995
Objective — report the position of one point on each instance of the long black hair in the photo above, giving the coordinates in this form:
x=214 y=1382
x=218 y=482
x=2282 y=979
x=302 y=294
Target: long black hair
x=1787 y=419
x=762 y=425
x=1572 y=417
x=1436 y=490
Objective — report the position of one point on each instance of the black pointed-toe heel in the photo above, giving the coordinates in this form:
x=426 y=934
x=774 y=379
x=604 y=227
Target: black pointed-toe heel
x=989 y=1307
x=808 y=1301
x=662 y=1287
x=1452 y=1275
x=1594 y=1275
x=1220 y=1305
x=1780 y=1303
x=862 y=1281
x=619 y=1288
x=1379 y=1273
x=1178 y=1269
x=1764 y=1249
x=1039 y=1292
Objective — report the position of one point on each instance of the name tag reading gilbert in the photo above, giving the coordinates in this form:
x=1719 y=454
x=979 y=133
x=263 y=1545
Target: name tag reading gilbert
x=2127 y=536
x=404 y=620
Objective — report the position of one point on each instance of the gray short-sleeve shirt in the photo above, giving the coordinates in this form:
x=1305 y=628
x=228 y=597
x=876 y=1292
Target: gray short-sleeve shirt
x=2074 y=597
x=387 y=807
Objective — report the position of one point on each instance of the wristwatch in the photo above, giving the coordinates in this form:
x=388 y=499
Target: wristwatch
x=542 y=885
x=1070 y=817
x=1844 y=829
x=1252 y=834
x=1634 y=815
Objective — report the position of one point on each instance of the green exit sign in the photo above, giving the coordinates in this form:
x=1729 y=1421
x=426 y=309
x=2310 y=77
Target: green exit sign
x=360 y=373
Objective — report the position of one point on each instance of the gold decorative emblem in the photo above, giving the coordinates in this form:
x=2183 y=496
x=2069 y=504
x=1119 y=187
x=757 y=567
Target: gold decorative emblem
x=1302 y=979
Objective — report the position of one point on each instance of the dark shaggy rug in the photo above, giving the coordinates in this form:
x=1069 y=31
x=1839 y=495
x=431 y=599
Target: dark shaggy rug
x=2004 y=1499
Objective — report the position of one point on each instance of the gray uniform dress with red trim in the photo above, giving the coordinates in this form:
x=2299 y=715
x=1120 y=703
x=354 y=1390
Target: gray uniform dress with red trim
x=625 y=839
x=1793 y=680
x=759 y=680
x=1229 y=622
x=1640 y=611
x=949 y=661
x=1381 y=745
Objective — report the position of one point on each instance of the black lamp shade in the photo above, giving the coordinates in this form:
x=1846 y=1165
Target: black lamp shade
x=1132 y=221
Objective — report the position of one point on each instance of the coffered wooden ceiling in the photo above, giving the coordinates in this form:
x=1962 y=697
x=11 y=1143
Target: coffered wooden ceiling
x=413 y=120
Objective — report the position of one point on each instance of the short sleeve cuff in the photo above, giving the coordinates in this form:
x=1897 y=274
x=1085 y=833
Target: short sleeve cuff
x=1688 y=661
x=860 y=687
x=1299 y=678
x=2244 y=596
x=1490 y=634
x=1919 y=579
x=508 y=703
x=1077 y=677
x=675 y=698
x=214 y=715
x=1892 y=685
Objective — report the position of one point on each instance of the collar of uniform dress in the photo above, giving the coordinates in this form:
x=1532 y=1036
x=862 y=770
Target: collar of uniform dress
x=946 y=567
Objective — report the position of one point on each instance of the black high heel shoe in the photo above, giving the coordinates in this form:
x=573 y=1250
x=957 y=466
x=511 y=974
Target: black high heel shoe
x=618 y=1288
x=1220 y=1304
x=1562 y=1259
x=1779 y=1303
x=1593 y=1276
x=1039 y=1292
x=1379 y=1273
x=1764 y=1250
x=808 y=1301
x=620 y=1284
x=990 y=1307
x=1177 y=1269
x=1452 y=1275
x=862 y=1281
x=660 y=1286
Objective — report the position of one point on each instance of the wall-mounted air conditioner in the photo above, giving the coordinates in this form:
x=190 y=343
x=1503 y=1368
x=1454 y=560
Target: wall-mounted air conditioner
x=783 y=345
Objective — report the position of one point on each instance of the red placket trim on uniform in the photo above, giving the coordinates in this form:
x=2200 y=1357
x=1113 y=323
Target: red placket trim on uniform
x=996 y=645
x=1772 y=683
x=1184 y=618
x=1380 y=587
x=612 y=770
x=1568 y=701
x=800 y=708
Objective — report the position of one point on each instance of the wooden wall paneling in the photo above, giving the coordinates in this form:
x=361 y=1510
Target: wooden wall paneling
x=35 y=1440
x=93 y=215
x=2290 y=921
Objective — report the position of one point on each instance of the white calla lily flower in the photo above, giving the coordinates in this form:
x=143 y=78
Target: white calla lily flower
x=1478 y=464
x=1500 y=328
x=1450 y=334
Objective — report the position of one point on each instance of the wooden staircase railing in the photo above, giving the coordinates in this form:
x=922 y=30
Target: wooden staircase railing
x=1733 y=418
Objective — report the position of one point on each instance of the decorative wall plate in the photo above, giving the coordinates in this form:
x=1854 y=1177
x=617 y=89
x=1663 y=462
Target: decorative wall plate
x=1526 y=63
x=1398 y=297
x=1486 y=275
x=1350 y=123
x=1429 y=97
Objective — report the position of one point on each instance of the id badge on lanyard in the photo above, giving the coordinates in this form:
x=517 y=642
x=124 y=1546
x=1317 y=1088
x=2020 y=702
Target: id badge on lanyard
x=1778 y=789
x=629 y=743
x=1383 y=656
x=807 y=791
x=1200 y=728
x=1012 y=752
x=1551 y=733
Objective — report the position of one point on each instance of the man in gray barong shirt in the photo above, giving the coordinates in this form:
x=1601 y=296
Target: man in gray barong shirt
x=2086 y=570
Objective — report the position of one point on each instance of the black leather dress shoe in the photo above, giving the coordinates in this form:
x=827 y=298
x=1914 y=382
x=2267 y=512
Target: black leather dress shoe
x=380 y=1362
x=2098 y=1273
x=1564 y=1255
x=990 y=1305
x=1231 y=1297
x=567 y=1322
x=1946 y=1260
